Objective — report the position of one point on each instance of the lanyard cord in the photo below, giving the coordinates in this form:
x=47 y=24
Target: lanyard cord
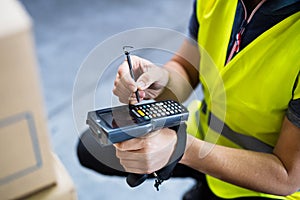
x=238 y=37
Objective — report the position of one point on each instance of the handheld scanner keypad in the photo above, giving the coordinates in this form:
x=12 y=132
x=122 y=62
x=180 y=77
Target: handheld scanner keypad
x=117 y=124
x=157 y=110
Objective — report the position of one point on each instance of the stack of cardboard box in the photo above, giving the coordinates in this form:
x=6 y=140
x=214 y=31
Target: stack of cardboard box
x=28 y=168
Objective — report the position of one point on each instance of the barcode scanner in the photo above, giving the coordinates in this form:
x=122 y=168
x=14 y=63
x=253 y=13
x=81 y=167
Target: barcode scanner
x=121 y=123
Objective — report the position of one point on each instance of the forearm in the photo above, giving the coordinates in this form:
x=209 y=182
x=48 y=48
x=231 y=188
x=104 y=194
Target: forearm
x=179 y=86
x=183 y=73
x=253 y=170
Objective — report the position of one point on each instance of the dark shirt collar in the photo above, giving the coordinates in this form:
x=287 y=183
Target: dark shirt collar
x=276 y=7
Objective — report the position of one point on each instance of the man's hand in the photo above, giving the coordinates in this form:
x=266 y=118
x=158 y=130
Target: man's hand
x=147 y=154
x=150 y=82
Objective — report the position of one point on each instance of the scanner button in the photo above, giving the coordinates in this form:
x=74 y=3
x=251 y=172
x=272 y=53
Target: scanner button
x=141 y=113
x=135 y=112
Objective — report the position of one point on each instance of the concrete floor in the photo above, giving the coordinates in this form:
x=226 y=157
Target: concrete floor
x=65 y=32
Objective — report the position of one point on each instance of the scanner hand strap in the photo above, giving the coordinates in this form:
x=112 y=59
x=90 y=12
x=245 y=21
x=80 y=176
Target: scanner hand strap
x=165 y=173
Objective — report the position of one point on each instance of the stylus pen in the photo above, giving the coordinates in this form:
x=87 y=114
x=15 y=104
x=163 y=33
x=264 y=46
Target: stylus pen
x=130 y=69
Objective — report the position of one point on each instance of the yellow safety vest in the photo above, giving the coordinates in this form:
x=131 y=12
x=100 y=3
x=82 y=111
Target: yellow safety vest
x=247 y=99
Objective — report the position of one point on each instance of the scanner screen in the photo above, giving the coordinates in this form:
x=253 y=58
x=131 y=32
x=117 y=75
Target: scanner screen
x=118 y=118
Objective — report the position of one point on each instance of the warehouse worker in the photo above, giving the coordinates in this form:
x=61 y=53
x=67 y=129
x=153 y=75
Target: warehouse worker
x=248 y=57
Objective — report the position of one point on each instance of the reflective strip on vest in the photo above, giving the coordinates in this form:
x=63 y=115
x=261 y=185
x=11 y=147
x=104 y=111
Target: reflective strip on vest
x=244 y=141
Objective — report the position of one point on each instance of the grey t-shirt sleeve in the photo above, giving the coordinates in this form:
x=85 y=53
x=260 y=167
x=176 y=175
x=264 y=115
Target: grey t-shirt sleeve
x=293 y=112
x=193 y=24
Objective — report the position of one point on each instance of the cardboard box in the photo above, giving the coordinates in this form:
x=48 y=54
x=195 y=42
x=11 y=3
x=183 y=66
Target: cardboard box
x=64 y=188
x=25 y=156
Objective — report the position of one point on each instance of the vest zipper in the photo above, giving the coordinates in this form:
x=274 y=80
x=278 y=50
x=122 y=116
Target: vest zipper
x=238 y=37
